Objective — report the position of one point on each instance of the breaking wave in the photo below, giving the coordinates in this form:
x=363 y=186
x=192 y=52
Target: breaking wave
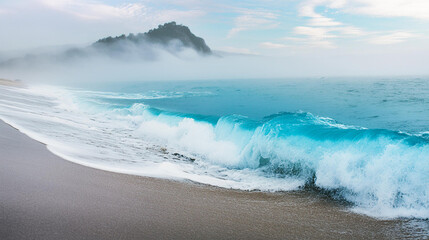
x=382 y=173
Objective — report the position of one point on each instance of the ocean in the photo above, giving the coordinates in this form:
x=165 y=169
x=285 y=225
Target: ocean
x=364 y=141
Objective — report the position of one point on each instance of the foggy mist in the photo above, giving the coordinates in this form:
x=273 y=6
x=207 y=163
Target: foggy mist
x=173 y=52
x=173 y=62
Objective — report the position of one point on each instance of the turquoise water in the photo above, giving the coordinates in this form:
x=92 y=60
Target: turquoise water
x=362 y=140
x=396 y=104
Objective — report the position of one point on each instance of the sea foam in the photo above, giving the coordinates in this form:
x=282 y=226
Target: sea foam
x=382 y=173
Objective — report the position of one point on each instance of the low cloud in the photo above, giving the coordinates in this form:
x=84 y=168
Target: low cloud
x=314 y=33
x=323 y=36
x=253 y=20
x=273 y=45
x=393 y=38
x=315 y=36
x=235 y=50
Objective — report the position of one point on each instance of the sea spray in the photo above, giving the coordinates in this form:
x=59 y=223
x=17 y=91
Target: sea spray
x=381 y=172
x=372 y=168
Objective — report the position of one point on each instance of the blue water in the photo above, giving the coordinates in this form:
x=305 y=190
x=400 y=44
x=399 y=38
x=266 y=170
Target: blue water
x=362 y=140
x=400 y=104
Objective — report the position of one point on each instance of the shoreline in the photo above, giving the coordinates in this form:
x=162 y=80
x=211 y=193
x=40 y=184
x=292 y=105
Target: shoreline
x=43 y=196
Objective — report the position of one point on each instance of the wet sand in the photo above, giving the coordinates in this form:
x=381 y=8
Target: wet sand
x=45 y=197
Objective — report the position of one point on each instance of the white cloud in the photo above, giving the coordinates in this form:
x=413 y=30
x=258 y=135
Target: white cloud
x=313 y=32
x=381 y=8
x=307 y=9
x=314 y=37
x=308 y=42
x=323 y=22
x=95 y=10
x=349 y=30
x=174 y=15
x=235 y=50
x=320 y=43
x=251 y=20
x=321 y=29
x=391 y=8
x=393 y=38
x=273 y=45
x=323 y=36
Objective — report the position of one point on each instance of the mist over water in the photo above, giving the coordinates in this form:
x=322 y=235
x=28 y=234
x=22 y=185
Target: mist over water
x=85 y=66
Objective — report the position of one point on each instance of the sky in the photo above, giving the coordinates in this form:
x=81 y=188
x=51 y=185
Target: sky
x=353 y=30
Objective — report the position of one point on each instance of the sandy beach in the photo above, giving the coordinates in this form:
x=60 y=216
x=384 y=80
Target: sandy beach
x=45 y=197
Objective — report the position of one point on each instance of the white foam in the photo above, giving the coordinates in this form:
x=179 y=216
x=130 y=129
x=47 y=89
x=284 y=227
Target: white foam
x=370 y=172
